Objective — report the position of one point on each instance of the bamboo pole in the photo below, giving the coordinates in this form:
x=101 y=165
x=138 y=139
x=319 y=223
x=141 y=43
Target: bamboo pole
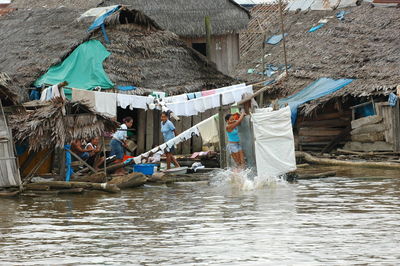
x=207 y=22
x=82 y=161
x=283 y=36
x=105 y=158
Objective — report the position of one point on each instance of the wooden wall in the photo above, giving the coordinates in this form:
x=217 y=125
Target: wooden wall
x=224 y=51
x=149 y=133
x=316 y=132
x=9 y=174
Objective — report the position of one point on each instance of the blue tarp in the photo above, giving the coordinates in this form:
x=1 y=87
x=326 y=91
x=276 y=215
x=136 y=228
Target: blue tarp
x=126 y=88
x=317 y=89
x=275 y=39
x=316 y=27
x=100 y=20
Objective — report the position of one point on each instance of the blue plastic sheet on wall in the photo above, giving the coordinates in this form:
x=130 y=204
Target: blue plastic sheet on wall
x=275 y=39
x=392 y=99
x=365 y=110
x=317 y=89
x=68 y=161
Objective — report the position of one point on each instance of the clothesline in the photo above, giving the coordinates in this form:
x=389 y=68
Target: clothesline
x=207 y=129
x=187 y=104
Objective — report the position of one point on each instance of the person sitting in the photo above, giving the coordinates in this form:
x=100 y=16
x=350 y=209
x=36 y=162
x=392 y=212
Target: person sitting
x=234 y=147
x=118 y=142
x=96 y=158
x=77 y=148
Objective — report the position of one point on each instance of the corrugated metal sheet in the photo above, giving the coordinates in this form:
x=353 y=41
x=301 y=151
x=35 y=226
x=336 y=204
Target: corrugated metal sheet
x=9 y=173
x=319 y=4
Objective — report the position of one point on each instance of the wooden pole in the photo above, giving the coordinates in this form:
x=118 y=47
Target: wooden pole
x=207 y=22
x=222 y=142
x=105 y=157
x=283 y=36
x=82 y=161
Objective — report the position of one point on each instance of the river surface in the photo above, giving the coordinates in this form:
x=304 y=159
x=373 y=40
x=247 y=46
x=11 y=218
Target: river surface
x=353 y=219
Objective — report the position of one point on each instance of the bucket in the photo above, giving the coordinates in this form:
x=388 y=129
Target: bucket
x=146 y=169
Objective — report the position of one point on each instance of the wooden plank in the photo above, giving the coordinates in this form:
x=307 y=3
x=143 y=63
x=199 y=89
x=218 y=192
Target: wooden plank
x=179 y=130
x=196 y=141
x=375 y=146
x=328 y=116
x=157 y=129
x=309 y=131
x=369 y=137
x=326 y=123
x=368 y=120
x=141 y=131
x=369 y=129
x=335 y=141
x=396 y=126
x=222 y=141
x=149 y=129
x=186 y=146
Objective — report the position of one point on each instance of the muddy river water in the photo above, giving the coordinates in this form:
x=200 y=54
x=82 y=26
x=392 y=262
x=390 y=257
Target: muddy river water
x=350 y=219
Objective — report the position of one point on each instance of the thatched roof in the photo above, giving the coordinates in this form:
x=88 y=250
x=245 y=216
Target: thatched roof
x=7 y=96
x=33 y=40
x=365 y=47
x=186 y=17
x=54 y=126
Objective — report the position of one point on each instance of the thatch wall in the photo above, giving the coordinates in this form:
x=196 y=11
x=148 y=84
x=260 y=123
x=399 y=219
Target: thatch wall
x=33 y=40
x=365 y=46
x=58 y=124
x=186 y=17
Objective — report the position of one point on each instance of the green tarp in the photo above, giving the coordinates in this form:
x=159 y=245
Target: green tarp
x=83 y=69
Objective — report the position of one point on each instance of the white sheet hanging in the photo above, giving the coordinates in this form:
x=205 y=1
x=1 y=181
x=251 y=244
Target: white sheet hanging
x=274 y=142
x=106 y=103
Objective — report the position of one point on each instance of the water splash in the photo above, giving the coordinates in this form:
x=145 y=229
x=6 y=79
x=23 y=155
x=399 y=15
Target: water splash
x=244 y=180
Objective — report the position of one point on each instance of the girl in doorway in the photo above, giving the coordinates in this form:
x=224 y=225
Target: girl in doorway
x=234 y=146
x=169 y=132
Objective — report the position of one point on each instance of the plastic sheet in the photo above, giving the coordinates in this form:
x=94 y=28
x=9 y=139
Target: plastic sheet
x=274 y=142
x=315 y=90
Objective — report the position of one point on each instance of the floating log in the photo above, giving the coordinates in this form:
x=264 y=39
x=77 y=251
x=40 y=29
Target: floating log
x=9 y=194
x=316 y=176
x=314 y=160
x=98 y=177
x=168 y=179
x=86 y=185
x=35 y=186
x=129 y=181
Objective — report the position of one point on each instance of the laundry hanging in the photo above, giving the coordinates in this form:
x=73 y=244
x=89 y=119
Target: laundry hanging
x=274 y=142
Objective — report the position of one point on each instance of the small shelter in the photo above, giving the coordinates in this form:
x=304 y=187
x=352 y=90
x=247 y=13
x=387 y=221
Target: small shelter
x=186 y=19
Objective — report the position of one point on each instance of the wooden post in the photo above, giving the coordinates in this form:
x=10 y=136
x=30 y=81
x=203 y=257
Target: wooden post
x=222 y=143
x=207 y=22
x=396 y=127
x=196 y=141
x=82 y=161
x=149 y=129
x=105 y=158
x=141 y=131
x=283 y=36
x=186 y=123
x=61 y=154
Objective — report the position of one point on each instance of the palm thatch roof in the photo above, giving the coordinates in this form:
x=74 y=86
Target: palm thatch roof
x=7 y=97
x=365 y=47
x=186 y=17
x=33 y=40
x=58 y=124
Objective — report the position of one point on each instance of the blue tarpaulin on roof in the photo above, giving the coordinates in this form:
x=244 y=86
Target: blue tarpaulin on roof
x=317 y=89
x=100 y=20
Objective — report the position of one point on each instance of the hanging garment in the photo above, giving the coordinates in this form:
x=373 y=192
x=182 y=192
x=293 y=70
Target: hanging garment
x=198 y=94
x=190 y=96
x=85 y=96
x=207 y=102
x=274 y=142
x=208 y=131
x=43 y=95
x=55 y=92
x=175 y=99
x=228 y=97
x=199 y=105
x=106 y=103
x=124 y=101
x=209 y=92
x=215 y=99
x=190 y=109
